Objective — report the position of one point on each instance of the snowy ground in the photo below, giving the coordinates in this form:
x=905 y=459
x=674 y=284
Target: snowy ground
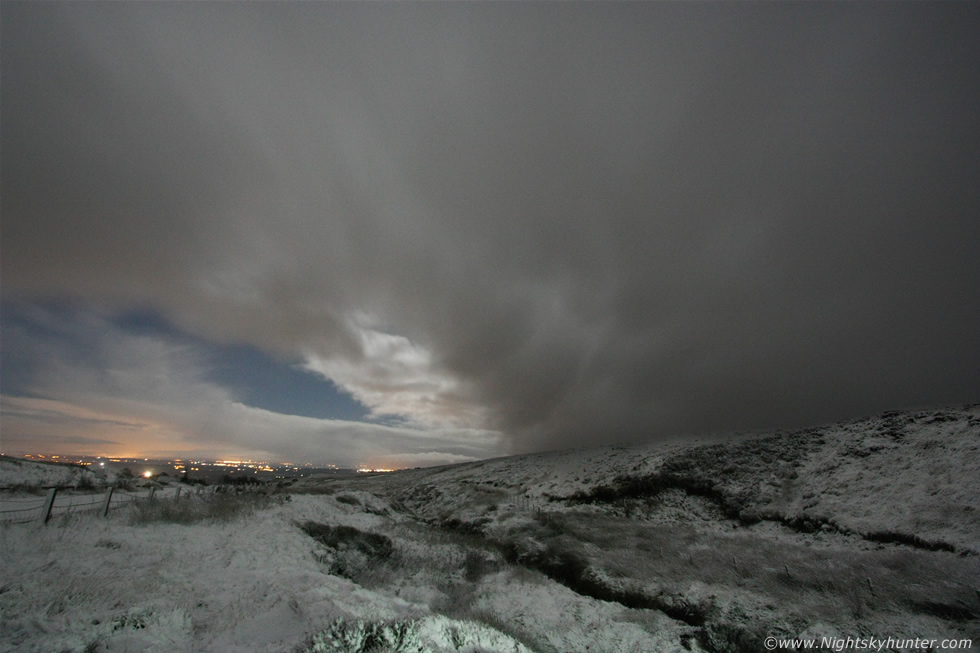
x=868 y=528
x=250 y=584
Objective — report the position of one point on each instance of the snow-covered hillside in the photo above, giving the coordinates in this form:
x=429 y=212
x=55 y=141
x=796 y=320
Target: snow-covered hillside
x=868 y=528
x=20 y=473
x=914 y=472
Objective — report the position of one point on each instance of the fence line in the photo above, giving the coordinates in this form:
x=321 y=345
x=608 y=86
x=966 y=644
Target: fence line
x=22 y=510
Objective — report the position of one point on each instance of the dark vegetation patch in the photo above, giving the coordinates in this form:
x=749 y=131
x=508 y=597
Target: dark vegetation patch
x=348 y=538
x=806 y=523
x=477 y=564
x=108 y=544
x=348 y=499
x=652 y=485
x=368 y=559
x=462 y=527
x=891 y=537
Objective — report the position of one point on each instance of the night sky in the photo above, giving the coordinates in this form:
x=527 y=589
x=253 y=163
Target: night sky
x=417 y=233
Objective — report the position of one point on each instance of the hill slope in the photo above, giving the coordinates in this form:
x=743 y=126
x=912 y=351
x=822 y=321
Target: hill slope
x=911 y=473
x=869 y=526
x=862 y=529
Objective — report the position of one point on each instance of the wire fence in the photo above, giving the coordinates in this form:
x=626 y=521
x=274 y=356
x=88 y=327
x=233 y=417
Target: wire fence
x=64 y=501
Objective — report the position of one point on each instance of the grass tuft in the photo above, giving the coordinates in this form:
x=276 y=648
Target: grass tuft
x=221 y=507
x=358 y=636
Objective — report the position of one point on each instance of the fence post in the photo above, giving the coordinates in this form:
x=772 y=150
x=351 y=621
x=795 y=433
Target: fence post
x=177 y=496
x=46 y=512
x=105 y=502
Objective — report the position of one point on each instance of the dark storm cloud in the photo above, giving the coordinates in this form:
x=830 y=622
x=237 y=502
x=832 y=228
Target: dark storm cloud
x=571 y=222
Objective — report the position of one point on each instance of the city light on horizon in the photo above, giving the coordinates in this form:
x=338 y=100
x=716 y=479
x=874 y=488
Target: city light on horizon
x=185 y=464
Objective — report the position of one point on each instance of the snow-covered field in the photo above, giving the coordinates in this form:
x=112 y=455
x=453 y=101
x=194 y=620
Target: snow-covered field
x=868 y=528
